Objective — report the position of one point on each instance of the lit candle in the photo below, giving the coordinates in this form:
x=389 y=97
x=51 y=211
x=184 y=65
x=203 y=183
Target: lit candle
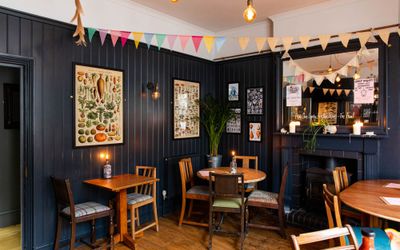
x=233 y=152
x=357 y=128
x=106 y=157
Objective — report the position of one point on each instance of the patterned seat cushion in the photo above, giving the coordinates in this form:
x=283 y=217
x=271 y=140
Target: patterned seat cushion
x=203 y=190
x=263 y=196
x=134 y=198
x=86 y=208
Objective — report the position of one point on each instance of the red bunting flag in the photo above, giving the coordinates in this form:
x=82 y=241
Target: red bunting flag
x=196 y=42
x=124 y=37
x=184 y=40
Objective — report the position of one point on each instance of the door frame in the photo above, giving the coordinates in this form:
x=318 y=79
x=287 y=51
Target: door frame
x=25 y=65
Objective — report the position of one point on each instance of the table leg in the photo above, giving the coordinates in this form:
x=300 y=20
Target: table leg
x=122 y=217
x=374 y=221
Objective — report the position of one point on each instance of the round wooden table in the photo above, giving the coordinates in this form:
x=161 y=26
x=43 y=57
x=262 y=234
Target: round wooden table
x=365 y=196
x=249 y=175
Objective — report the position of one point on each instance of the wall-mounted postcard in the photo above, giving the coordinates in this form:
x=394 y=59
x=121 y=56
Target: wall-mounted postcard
x=234 y=125
x=255 y=131
x=328 y=111
x=293 y=95
x=186 y=123
x=98 y=106
x=255 y=101
x=233 y=92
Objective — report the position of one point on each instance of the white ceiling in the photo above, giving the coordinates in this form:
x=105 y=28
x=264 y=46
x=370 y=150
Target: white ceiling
x=219 y=15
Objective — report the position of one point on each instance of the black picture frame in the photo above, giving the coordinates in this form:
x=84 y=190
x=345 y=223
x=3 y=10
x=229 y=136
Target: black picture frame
x=238 y=112
x=252 y=129
x=234 y=98
x=253 y=97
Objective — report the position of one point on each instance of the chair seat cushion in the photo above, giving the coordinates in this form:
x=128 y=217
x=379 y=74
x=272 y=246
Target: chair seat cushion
x=228 y=202
x=134 y=198
x=86 y=208
x=263 y=196
x=381 y=241
x=202 y=190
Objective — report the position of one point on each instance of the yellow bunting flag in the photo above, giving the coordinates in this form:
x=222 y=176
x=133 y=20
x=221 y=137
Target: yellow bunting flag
x=287 y=42
x=325 y=91
x=137 y=37
x=384 y=35
x=311 y=89
x=319 y=79
x=244 y=42
x=332 y=91
x=304 y=40
x=345 y=38
x=272 y=42
x=347 y=92
x=260 y=41
x=324 y=40
x=339 y=91
x=209 y=42
x=363 y=37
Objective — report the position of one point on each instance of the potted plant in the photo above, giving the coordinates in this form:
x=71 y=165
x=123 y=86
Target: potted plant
x=310 y=134
x=214 y=116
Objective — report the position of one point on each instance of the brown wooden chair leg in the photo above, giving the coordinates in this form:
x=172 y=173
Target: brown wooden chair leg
x=242 y=221
x=182 y=212
x=190 y=208
x=210 y=230
x=111 y=232
x=73 y=235
x=93 y=232
x=281 y=214
x=137 y=216
x=58 y=233
x=155 y=213
x=133 y=212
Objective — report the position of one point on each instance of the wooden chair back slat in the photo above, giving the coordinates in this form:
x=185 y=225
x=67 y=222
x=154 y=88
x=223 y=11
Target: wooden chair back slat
x=63 y=193
x=245 y=161
x=146 y=189
x=281 y=196
x=340 y=179
x=227 y=185
x=186 y=171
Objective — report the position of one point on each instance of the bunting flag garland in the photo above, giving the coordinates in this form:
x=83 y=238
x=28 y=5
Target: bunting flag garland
x=347 y=92
x=196 y=42
x=137 y=37
x=148 y=37
x=384 y=35
x=103 y=34
x=324 y=39
x=209 y=43
x=244 y=42
x=287 y=42
x=260 y=42
x=171 y=40
x=160 y=38
x=345 y=38
x=319 y=79
x=332 y=91
x=331 y=77
x=339 y=91
x=363 y=37
x=272 y=42
x=219 y=42
x=304 y=40
x=115 y=34
x=304 y=88
x=324 y=90
x=91 y=32
x=124 y=37
x=311 y=89
x=184 y=40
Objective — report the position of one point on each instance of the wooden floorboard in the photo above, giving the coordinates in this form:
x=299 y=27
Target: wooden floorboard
x=10 y=237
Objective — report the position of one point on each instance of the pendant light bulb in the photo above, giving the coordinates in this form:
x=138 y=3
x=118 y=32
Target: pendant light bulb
x=249 y=13
x=330 y=69
x=174 y=1
x=156 y=92
x=338 y=79
x=356 y=75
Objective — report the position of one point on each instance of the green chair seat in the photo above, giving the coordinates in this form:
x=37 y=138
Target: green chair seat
x=228 y=202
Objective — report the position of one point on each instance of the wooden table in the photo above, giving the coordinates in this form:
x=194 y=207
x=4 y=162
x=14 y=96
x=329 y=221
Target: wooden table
x=249 y=175
x=119 y=184
x=365 y=197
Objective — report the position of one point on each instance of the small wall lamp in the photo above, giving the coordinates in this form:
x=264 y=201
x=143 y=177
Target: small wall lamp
x=155 y=90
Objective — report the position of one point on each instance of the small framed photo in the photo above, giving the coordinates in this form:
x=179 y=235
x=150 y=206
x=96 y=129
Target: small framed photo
x=233 y=92
x=255 y=131
x=234 y=125
x=255 y=101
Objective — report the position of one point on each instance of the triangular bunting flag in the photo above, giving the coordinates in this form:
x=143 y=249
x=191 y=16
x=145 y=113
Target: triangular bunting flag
x=243 y=42
x=285 y=55
x=347 y=92
x=307 y=76
x=304 y=88
x=300 y=78
x=339 y=91
x=343 y=71
x=209 y=43
x=311 y=89
x=345 y=38
x=137 y=37
x=287 y=42
x=304 y=40
x=298 y=70
x=332 y=91
x=196 y=42
x=318 y=79
x=331 y=77
x=219 y=42
x=260 y=41
x=272 y=42
x=384 y=35
x=148 y=37
x=171 y=41
x=91 y=32
x=114 y=36
x=124 y=37
x=103 y=34
x=363 y=37
x=184 y=40
x=160 y=40
x=324 y=40
x=354 y=62
x=325 y=91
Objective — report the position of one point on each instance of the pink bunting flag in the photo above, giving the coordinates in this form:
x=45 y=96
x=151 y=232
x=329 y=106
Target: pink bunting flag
x=124 y=37
x=184 y=40
x=103 y=34
x=196 y=42
x=114 y=36
x=171 y=41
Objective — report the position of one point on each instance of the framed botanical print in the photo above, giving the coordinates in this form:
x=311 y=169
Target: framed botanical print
x=233 y=92
x=98 y=106
x=186 y=108
x=255 y=101
x=234 y=125
x=328 y=111
x=255 y=131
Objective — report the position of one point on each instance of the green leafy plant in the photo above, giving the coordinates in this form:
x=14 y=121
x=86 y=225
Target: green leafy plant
x=310 y=134
x=214 y=116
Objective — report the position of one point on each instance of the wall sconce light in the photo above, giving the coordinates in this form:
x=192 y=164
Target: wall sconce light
x=155 y=90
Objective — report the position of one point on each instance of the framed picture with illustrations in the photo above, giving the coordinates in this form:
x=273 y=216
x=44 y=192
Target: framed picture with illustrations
x=255 y=101
x=255 y=131
x=233 y=92
x=234 y=125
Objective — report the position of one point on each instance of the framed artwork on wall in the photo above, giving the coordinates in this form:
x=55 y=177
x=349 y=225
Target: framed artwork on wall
x=98 y=106
x=234 y=125
x=186 y=108
x=233 y=92
x=255 y=131
x=255 y=101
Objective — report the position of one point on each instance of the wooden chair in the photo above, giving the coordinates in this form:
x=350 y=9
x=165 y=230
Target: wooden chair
x=327 y=234
x=245 y=163
x=190 y=192
x=143 y=195
x=226 y=196
x=333 y=213
x=264 y=199
x=77 y=213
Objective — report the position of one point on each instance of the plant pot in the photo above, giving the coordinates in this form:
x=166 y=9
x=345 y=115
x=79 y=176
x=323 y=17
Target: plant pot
x=214 y=161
